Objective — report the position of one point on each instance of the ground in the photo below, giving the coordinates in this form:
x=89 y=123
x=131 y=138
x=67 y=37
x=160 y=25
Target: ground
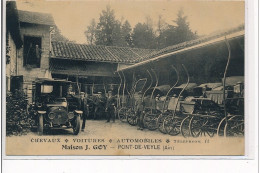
x=100 y=128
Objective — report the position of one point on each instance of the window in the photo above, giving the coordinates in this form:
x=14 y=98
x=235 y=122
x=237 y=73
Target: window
x=32 y=51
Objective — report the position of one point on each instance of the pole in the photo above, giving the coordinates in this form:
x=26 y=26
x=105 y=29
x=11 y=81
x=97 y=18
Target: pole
x=224 y=79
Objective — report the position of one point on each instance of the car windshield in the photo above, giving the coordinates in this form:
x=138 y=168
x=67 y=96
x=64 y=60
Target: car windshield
x=45 y=89
x=56 y=90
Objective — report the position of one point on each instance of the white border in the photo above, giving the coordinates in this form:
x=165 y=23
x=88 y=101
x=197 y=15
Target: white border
x=252 y=152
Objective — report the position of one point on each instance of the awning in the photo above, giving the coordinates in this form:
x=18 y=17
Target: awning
x=81 y=68
x=234 y=35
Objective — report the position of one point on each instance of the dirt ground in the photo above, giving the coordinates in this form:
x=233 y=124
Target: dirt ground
x=100 y=128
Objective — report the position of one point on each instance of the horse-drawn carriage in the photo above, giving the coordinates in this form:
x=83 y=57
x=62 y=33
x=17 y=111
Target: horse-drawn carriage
x=188 y=109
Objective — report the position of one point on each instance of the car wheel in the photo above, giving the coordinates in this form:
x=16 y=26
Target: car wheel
x=76 y=126
x=40 y=125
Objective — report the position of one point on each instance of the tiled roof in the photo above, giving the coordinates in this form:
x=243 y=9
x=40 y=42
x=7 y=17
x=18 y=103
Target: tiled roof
x=85 y=52
x=35 y=18
x=75 y=51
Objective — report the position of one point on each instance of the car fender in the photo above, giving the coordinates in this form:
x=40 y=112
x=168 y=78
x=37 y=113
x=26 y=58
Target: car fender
x=78 y=112
x=41 y=112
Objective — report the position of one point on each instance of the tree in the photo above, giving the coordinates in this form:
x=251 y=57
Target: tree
x=143 y=35
x=126 y=34
x=162 y=26
x=117 y=38
x=105 y=27
x=168 y=36
x=90 y=32
x=109 y=31
x=57 y=36
x=183 y=31
x=173 y=34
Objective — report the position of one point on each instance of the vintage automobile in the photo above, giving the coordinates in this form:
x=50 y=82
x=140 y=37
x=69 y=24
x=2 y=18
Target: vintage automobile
x=56 y=107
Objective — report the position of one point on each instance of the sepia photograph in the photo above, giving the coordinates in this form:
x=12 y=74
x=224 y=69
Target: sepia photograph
x=124 y=78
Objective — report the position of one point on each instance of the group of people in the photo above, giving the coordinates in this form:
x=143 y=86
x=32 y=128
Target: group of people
x=99 y=102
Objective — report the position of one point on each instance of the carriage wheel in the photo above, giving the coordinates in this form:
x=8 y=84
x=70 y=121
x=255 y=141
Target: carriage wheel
x=221 y=126
x=210 y=129
x=202 y=125
x=150 y=121
x=159 y=123
x=234 y=127
x=172 y=125
x=195 y=126
x=185 y=131
x=131 y=118
x=122 y=114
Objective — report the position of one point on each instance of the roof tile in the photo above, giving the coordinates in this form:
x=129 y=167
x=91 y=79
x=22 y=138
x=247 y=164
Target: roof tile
x=36 y=18
x=97 y=53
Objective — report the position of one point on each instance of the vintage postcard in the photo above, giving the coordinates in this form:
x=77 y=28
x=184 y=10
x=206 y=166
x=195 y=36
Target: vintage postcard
x=124 y=78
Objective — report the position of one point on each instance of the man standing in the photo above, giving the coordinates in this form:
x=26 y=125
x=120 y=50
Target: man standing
x=110 y=106
x=85 y=104
x=99 y=105
x=139 y=111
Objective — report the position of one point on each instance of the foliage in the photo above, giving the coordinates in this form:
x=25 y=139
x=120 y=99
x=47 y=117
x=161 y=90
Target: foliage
x=175 y=34
x=106 y=27
x=183 y=31
x=57 y=36
x=18 y=121
x=8 y=58
x=90 y=32
x=143 y=36
x=111 y=32
x=8 y=49
x=126 y=34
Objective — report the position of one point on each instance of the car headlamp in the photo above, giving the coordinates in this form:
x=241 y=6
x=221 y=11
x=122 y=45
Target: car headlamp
x=71 y=115
x=51 y=115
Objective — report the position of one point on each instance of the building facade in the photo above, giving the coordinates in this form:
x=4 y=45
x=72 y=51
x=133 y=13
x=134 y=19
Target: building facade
x=33 y=51
x=45 y=54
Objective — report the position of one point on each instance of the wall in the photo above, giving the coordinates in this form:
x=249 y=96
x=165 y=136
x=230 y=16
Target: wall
x=30 y=74
x=82 y=68
x=11 y=66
